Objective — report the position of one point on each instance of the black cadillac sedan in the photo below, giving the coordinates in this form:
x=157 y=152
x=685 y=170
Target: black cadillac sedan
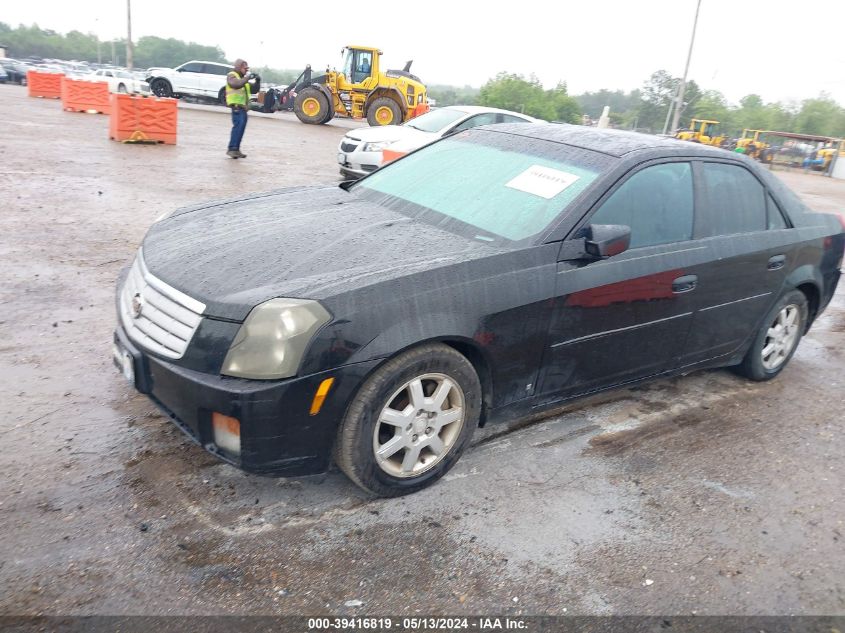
x=493 y=274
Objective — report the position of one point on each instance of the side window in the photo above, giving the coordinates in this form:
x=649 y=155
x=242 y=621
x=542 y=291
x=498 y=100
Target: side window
x=475 y=121
x=509 y=118
x=733 y=200
x=775 y=217
x=657 y=203
x=192 y=68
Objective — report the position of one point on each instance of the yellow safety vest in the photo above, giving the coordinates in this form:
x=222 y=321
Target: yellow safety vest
x=237 y=96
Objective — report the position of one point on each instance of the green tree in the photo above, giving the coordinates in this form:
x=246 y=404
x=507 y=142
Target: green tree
x=157 y=51
x=566 y=108
x=821 y=116
x=515 y=92
x=658 y=93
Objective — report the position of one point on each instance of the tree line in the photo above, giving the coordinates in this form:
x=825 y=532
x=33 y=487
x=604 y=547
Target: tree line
x=26 y=41
x=644 y=109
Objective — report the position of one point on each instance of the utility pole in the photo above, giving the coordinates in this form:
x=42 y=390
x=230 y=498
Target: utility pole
x=129 y=51
x=680 y=101
x=113 y=55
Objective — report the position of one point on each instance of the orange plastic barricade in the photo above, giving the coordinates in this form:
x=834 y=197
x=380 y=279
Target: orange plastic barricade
x=389 y=155
x=85 y=96
x=46 y=85
x=137 y=119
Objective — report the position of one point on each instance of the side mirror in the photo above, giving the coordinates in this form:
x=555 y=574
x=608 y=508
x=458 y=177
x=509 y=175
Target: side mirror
x=596 y=241
x=607 y=240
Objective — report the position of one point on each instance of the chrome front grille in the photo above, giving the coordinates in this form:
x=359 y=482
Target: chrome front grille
x=348 y=147
x=155 y=315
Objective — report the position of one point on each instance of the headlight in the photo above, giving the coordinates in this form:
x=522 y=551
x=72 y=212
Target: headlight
x=376 y=147
x=273 y=339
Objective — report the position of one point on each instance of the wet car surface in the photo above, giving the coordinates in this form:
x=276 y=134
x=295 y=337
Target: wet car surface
x=533 y=265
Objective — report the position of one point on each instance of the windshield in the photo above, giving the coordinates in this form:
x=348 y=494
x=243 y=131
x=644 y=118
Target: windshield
x=347 y=63
x=435 y=120
x=488 y=186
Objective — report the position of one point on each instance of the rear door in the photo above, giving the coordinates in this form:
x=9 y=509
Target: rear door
x=627 y=316
x=213 y=79
x=187 y=78
x=750 y=247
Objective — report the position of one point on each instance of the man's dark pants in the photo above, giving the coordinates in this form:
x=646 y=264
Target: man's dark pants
x=238 y=127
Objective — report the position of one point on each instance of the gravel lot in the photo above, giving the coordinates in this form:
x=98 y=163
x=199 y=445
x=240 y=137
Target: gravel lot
x=704 y=494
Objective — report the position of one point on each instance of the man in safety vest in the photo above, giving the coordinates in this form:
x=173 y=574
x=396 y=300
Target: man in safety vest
x=237 y=98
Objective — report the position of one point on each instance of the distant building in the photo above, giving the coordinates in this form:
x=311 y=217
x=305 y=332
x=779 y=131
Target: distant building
x=2 y=51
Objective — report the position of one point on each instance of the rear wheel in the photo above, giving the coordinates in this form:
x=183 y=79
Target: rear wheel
x=161 y=88
x=311 y=106
x=410 y=422
x=777 y=339
x=121 y=88
x=384 y=111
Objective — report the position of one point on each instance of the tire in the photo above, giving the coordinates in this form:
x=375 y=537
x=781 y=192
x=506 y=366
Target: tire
x=121 y=88
x=428 y=438
x=311 y=106
x=161 y=88
x=329 y=116
x=777 y=339
x=384 y=111
x=221 y=96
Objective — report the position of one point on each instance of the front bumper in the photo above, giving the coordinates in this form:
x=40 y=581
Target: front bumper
x=278 y=434
x=358 y=163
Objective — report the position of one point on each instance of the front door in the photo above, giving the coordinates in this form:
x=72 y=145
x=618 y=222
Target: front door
x=627 y=316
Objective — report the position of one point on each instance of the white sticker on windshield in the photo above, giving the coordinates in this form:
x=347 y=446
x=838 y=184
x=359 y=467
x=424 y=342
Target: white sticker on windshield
x=542 y=181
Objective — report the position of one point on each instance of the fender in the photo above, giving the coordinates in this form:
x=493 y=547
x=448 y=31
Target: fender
x=387 y=92
x=328 y=93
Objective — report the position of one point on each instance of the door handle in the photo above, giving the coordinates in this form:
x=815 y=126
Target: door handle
x=684 y=284
x=778 y=261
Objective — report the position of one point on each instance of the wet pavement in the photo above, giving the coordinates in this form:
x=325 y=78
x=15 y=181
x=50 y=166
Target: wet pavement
x=705 y=494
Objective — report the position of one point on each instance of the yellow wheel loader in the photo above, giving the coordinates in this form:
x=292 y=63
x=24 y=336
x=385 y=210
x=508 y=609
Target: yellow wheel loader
x=360 y=89
x=752 y=143
x=702 y=131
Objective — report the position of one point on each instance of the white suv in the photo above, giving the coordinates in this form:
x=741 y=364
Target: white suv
x=192 y=79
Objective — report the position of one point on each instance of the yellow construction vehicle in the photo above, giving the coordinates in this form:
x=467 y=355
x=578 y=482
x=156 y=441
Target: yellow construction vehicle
x=360 y=89
x=752 y=143
x=702 y=131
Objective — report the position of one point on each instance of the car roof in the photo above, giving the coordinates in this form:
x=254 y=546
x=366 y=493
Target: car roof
x=608 y=141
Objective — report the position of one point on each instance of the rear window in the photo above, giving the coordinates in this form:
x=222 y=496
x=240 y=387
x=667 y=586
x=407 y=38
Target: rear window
x=488 y=186
x=733 y=200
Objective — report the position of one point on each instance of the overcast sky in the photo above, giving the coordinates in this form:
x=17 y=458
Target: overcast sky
x=780 y=49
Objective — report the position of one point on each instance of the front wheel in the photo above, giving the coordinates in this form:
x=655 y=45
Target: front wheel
x=121 y=89
x=410 y=422
x=777 y=339
x=161 y=88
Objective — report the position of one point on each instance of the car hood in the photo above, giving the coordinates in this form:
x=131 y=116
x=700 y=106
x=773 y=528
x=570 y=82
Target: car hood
x=402 y=133
x=307 y=242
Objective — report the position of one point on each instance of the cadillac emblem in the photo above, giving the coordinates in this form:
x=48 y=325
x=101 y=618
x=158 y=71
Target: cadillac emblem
x=137 y=305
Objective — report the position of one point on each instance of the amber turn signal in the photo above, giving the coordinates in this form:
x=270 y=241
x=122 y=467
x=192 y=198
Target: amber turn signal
x=227 y=432
x=320 y=396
